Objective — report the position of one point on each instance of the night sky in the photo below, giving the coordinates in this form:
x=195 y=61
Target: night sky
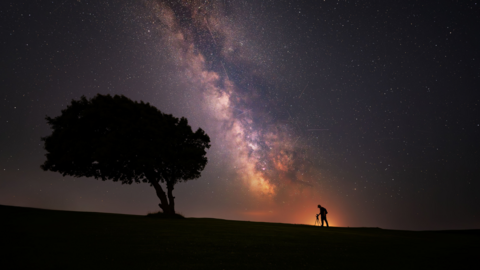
x=369 y=108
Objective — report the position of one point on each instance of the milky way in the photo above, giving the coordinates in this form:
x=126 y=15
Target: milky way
x=215 y=61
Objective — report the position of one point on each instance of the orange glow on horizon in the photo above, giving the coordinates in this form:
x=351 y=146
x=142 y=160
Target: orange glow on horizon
x=301 y=209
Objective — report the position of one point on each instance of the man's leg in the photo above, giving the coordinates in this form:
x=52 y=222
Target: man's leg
x=324 y=218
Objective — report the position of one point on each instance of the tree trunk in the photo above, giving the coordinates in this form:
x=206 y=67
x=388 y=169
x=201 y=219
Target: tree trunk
x=171 y=199
x=167 y=205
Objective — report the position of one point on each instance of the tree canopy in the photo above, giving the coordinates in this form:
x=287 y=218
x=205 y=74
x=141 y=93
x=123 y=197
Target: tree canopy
x=115 y=138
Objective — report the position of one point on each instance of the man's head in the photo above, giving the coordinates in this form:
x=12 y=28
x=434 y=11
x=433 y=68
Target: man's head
x=319 y=206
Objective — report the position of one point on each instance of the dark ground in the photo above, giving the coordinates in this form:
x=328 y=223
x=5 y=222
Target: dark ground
x=46 y=239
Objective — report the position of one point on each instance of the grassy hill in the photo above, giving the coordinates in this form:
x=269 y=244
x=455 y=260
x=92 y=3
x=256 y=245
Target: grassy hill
x=47 y=239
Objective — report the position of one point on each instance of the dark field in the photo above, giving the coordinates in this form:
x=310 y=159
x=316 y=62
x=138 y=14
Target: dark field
x=46 y=239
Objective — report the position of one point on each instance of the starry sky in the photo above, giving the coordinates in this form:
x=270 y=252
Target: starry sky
x=369 y=108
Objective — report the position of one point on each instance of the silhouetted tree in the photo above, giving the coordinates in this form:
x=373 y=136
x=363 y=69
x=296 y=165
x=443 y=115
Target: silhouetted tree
x=115 y=138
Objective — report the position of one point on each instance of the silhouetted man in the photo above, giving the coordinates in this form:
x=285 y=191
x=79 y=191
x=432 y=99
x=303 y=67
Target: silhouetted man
x=323 y=214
